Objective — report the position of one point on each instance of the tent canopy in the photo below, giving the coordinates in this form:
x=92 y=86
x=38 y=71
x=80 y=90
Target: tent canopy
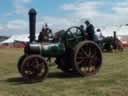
x=21 y=38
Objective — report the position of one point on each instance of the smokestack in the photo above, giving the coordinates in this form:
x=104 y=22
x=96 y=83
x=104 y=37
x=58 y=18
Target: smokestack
x=115 y=36
x=32 y=24
x=114 y=33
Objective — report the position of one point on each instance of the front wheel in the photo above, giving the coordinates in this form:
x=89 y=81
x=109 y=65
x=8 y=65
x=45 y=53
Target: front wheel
x=21 y=59
x=34 y=68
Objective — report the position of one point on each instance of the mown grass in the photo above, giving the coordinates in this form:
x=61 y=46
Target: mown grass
x=112 y=80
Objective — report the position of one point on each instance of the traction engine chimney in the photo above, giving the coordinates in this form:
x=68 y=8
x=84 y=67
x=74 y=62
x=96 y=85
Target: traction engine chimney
x=32 y=24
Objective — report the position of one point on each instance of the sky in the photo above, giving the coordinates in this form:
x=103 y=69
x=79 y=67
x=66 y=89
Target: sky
x=61 y=14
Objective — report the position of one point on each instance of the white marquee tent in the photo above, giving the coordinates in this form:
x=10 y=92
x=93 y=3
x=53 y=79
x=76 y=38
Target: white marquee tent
x=20 y=38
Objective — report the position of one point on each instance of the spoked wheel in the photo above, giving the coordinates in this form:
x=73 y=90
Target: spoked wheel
x=87 y=58
x=21 y=59
x=34 y=68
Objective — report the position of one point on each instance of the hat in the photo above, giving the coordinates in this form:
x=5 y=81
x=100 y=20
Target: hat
x=98 y=30
x=87 y=22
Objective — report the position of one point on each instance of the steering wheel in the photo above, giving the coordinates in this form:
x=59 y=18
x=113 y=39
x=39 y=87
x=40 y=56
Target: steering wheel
x=73 y=31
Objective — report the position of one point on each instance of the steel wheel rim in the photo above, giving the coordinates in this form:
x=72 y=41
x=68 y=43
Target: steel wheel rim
x=19 y=64
x=88 y=60
x=34 y=68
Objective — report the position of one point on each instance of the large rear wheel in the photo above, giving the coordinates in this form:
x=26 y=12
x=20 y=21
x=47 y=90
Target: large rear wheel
x=87 y=58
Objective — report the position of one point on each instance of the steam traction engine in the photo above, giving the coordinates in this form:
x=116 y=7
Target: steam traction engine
x=73 y=53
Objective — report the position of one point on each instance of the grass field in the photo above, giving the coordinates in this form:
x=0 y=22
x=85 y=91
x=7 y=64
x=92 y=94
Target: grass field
x=112 y=80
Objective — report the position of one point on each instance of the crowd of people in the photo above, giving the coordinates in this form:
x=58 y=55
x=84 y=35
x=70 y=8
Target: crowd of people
x=90 y=33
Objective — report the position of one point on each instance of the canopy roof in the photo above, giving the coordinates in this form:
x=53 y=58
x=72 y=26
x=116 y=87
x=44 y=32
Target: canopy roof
x=21 y=38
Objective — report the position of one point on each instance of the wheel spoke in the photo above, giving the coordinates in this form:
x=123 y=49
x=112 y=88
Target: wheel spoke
x=80 y=61
x=92 y=64
x=84 y=52
x=79 y=58
x=37 y=64
x=94 y=61
x=94 y=55
x=83 y=61
x=36 y=61
x=89 y=51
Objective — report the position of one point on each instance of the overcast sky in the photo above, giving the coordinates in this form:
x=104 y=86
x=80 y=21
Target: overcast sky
x=61 y=14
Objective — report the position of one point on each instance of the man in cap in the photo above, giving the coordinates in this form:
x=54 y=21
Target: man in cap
x=90 y=30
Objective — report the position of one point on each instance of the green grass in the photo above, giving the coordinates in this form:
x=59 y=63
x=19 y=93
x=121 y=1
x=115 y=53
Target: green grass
x=112 y=80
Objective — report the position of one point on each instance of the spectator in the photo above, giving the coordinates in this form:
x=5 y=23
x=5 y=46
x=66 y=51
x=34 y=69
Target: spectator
x=99 y=38
x=99 y=35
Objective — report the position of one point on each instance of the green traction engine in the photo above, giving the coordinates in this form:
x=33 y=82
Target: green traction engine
x=74 y=54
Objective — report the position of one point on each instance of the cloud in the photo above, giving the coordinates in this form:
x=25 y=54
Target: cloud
x=21 y=10
x=122 y=3
x=101 y=13
x=23 y=1
x=81 y=5
x=96 y=12
x=57 y=22
x=20 y=7
x=83 y=9
x=76 y=14
x=93 y=10
x=1 y=28
x=20 y=26
x=121 y=8
x=9 y=14
x=17 y=25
